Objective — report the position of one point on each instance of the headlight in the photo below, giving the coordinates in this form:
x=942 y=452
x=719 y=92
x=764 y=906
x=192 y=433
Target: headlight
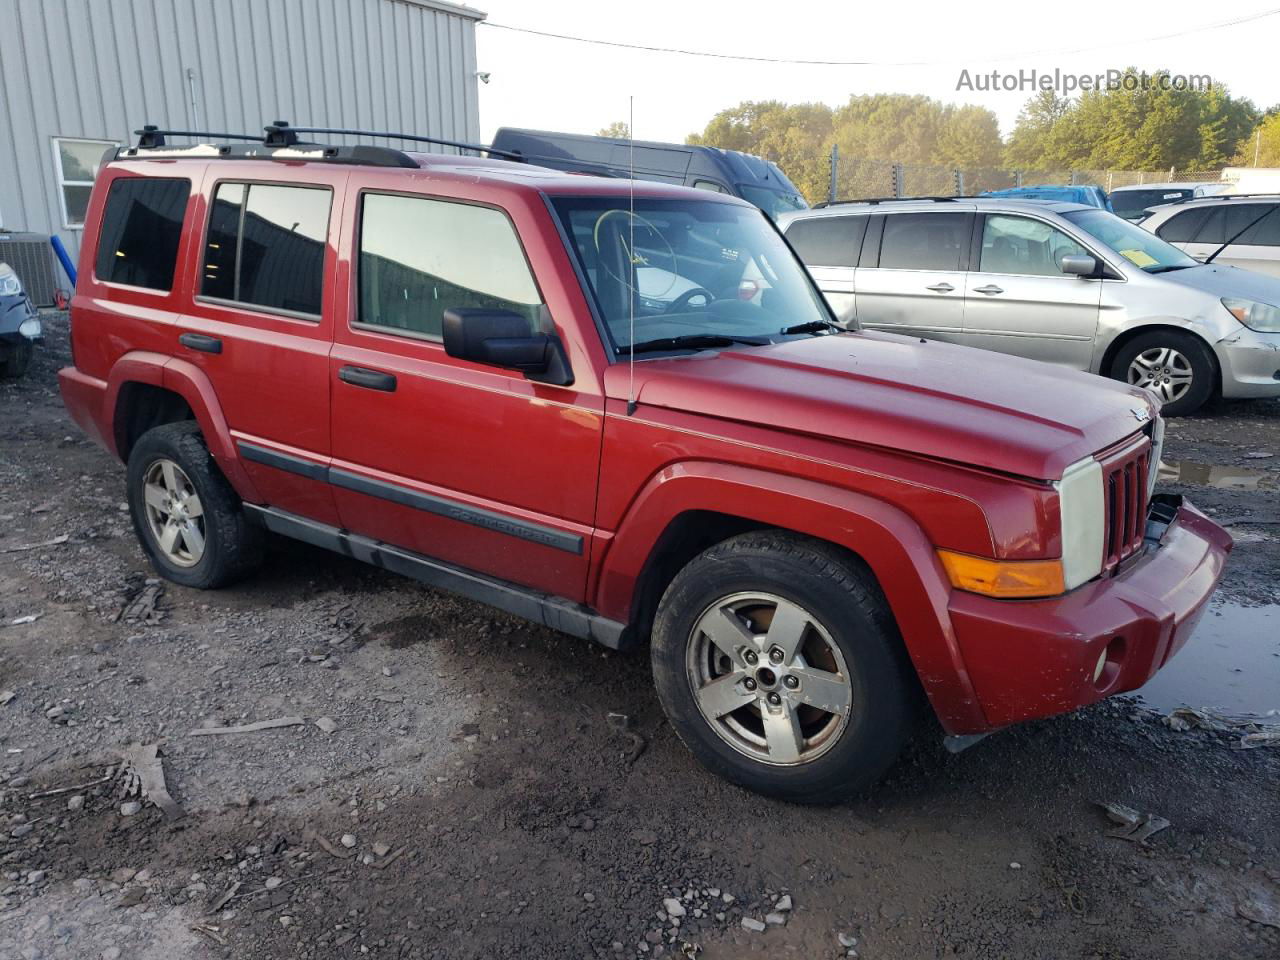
x=10 y=285
x=1157 y=451
x=1262 y=317
x=1083 y=512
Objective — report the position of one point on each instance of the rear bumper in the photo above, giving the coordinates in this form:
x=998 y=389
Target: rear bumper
x=1037 y=658
x=1250 y=363
x=85 y=398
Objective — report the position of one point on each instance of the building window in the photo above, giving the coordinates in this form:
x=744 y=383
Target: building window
x=141 y=230
x=76 y=163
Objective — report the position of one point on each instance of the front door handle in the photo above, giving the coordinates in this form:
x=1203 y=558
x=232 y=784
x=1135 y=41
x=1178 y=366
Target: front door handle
x=941 y=288
x=990 y=289
x=370 y=379
x=198 y=341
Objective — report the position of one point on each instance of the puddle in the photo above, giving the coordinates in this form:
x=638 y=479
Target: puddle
x=1214 y=475
x=1230 y=664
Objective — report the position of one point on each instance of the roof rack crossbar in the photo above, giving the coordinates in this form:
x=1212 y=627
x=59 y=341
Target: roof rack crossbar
x=281 y=133
x=151 y=136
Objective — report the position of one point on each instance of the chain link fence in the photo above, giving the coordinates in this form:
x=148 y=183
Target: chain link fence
x=862 y=177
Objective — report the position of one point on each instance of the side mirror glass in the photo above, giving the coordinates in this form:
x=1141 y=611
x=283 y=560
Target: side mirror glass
x=1076 y=265
x=501 y=338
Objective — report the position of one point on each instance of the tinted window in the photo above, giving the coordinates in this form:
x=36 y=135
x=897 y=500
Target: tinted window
x=141 y=228
x=1130 y=204
x=924 y=241
x=1265 y=220
x=1026 y=246
x=266 y=246
x=1181 y=227
x=419 y=258
x=828 y=241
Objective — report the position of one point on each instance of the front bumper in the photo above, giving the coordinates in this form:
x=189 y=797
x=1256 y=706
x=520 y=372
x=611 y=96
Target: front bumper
x=1036 y=658
x=1250 y=363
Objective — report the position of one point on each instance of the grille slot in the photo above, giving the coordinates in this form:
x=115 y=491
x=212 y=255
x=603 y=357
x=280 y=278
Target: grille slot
x=1125 y=478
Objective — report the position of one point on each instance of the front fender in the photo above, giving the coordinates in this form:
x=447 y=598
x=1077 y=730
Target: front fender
x=890 y=542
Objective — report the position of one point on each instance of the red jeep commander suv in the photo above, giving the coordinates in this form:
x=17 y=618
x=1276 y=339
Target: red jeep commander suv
x=622 y=410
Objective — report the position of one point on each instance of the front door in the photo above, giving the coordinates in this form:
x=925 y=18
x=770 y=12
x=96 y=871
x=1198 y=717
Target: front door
x=469 y=464
x=914 y=284
x=1257 y=248
x=1019 y=301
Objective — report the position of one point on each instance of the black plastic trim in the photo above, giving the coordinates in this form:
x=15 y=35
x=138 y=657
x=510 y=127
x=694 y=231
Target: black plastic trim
x=557 y=613
x=524 y=529
x=283 y=461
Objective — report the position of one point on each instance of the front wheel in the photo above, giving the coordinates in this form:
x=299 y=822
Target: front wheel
x=1177 y=367
x=779 y=665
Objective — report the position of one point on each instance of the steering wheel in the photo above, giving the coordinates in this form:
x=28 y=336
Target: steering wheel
x=682 y=302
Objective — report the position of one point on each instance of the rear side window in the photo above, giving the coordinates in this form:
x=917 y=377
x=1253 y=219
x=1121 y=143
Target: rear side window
x=924 y=241
x=266 y=245
x=828 y=241
x=421 y=257
x=1259 y=221
x=141 y=230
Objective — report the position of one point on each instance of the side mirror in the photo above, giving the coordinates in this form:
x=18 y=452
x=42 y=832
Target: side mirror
x=1076 y=265
x=501 y=338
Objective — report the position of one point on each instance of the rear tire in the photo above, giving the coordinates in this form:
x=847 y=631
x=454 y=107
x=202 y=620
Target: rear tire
x=17 y=360
x=188 y=519
x=780 y=666
x=1178 y=367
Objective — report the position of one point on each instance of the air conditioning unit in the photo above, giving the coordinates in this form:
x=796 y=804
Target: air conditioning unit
x=32 y=260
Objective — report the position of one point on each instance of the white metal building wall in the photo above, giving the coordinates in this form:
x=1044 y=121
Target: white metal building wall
x=99 y=69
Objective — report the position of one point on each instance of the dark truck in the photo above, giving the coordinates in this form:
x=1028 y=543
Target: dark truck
x=752 y=178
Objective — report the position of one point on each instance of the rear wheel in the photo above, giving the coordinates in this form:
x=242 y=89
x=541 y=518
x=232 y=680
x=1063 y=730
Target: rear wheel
x=187 y=518
x=780 y=666
x=1177 y=367
x=16 y=359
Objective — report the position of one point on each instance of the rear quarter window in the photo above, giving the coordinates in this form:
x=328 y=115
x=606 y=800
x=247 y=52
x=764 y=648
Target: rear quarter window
x=828 y=241
x=141 y=231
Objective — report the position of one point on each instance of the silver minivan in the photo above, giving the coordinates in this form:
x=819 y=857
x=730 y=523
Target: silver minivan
x=1059 y=282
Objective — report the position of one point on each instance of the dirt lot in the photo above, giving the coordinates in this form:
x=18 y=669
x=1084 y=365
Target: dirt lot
x=473 y=797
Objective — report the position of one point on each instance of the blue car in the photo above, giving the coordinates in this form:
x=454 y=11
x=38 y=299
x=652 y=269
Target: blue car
x=1090 y=196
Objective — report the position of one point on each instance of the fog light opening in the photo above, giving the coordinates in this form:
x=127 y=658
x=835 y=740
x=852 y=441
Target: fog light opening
x=1107 y=668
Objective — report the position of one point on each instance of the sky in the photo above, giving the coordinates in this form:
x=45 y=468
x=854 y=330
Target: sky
x=574 y=87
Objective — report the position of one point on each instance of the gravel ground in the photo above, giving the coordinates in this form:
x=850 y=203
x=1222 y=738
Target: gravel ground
x=465 y=785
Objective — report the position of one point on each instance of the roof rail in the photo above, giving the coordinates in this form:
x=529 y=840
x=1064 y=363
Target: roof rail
x=281 y=134
x=1211 y=196
x=875 y=200
x=151 y=136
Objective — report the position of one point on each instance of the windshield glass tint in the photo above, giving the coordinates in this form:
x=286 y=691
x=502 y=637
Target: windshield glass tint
x=772 y=202
x=1132 y=203
x=1142 y=249
x=688 y=267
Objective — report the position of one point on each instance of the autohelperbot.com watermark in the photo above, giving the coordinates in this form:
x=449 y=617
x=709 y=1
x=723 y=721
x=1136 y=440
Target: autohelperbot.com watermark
x=1065 y=83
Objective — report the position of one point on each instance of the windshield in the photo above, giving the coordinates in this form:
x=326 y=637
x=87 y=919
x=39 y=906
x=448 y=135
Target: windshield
x=1142 y=249
x=688 y=268
x=772 y=202
x=1131 y=204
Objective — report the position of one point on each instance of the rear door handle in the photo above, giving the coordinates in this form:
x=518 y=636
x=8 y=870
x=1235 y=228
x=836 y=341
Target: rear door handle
x=941 y=288
x=990 y=289
x=198 y=341
x=369 y=379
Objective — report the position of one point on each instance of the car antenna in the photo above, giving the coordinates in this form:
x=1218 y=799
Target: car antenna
x=631 y=255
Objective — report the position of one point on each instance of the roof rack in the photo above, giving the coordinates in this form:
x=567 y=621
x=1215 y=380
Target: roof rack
x=875 y=200
x=280 y=141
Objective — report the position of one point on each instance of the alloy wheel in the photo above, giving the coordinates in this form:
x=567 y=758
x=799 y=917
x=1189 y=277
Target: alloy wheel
x=1162 y=370
x=768 y=678
x=175 y=515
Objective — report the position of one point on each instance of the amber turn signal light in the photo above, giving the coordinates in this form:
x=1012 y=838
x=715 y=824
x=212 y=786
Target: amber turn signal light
x=1004 y=579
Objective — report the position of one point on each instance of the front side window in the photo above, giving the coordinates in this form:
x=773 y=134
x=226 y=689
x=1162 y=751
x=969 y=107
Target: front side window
x=76 y=163
x=1022 y=245
x=420 y=257
x=265 y=246
x=828 y=241
x=1144 y=250
x=687 y=268
x=924 y=241
x=141 y=231
x=1183 y=227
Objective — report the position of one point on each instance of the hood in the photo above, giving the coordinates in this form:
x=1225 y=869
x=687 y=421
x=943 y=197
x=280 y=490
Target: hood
x=931 y=399
x=1224 y=281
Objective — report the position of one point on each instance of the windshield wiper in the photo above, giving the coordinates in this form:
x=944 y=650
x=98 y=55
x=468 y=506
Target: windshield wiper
x=690 y=341
x=812 y=326
x=1166 y=267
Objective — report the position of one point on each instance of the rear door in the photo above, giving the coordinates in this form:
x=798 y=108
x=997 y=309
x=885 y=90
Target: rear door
x=1019 y=301
x=261 y=324
x=911 y=278
x=470 y=464
x=829 y=247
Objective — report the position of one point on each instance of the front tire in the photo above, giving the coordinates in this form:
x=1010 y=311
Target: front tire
x=187 y=518
x=1177 y=367
x=780 y=666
